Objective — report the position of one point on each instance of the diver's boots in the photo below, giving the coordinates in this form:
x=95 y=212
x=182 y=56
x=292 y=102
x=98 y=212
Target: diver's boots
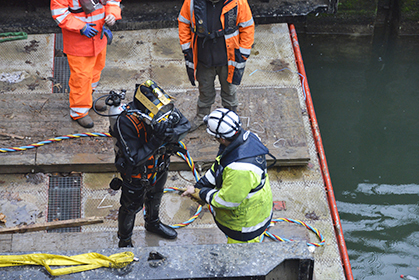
x=151 y=217
x=126 y=221
x=125 y=243
x=161 y=229
x=198 y=120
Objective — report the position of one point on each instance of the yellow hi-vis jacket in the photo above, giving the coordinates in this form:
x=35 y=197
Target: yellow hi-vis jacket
x=237 y=186
x=238 y=31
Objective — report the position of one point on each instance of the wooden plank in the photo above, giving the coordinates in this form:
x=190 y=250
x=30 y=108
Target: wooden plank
x=53 y=225
x=274 y=114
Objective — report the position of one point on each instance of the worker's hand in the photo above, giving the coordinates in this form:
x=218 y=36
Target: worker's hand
x=193 y=193
x=88 y=30
x=189 y=190
x=107 y=32
x=110 y=19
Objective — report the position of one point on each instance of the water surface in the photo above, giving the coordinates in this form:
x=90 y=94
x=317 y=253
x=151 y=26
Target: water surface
x=366 y=98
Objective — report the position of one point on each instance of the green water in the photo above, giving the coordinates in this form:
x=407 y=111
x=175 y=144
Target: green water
x=366 y=100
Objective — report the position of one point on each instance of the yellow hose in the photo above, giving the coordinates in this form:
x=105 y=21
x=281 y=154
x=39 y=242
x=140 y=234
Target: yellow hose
x=79 y=263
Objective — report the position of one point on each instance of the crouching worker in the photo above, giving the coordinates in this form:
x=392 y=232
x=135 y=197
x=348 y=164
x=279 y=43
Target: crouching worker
x=147 y=133
x=237 y=184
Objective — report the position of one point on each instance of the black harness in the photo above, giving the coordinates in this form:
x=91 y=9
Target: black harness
x=125 y=164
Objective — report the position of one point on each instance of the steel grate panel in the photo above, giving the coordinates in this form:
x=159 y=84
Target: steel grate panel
x=61 y=67
x=64 y=195
x=61 y=75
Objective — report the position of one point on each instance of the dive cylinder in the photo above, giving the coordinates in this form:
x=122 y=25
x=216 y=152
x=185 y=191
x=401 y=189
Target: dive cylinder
x=116 y=107
x=114 y=112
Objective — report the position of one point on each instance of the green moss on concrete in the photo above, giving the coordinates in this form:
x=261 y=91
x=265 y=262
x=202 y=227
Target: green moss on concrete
x=357 y=5
x=409 y=10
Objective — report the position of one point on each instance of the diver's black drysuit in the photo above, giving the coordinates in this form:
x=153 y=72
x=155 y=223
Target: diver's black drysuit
x=142 y=158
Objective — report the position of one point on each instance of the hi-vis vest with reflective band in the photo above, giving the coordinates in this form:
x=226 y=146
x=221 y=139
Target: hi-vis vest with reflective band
x=72 y=22
x=237 y=22
x=238 y=188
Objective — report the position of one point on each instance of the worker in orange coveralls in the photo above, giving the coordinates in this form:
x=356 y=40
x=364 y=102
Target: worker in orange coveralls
x=85 y=38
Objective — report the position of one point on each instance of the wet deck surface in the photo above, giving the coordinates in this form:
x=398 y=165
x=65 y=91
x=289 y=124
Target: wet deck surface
x=36 y=108
x=271 y=104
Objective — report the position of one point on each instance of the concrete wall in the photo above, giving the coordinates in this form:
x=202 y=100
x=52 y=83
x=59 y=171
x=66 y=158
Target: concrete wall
x=361 y=16
x=352 y=17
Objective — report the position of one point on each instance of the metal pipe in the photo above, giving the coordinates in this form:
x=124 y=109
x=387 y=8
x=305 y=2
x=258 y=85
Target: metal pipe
x=322 y=157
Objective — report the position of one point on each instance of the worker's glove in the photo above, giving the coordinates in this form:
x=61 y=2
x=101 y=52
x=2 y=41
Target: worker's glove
x=110 y=19
x=159 y=130
x=108 y=34
x=193 y=193
x=88 y=30
x=195 y=196
x=189 y=65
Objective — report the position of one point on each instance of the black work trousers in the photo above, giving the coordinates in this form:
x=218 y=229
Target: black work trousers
x=134 y=195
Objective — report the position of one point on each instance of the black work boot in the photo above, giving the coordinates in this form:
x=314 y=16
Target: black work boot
x=125 y=243
x=161 y=229
x=198 y=120
x=151 y=218
x=125 y=226
x=231 y=108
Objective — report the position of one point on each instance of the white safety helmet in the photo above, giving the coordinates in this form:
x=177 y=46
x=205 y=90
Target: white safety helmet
x=222 y=123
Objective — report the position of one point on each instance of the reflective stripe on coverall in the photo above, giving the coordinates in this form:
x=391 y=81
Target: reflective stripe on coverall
x=85 y=75
x=238 y=43
x=237 y=186
x=86 y=56
x=236 y=207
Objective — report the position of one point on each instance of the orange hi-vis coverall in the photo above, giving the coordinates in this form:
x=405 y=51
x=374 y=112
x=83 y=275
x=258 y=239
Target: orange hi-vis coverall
x=86 y=56
x=238 y=32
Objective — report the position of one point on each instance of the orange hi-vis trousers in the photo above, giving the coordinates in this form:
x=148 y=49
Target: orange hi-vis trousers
x=85 y=74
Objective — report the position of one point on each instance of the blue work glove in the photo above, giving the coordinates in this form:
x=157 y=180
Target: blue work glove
x=108 y=34
x=88 y=30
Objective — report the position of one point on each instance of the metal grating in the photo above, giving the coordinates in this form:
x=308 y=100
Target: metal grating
x=61 y=67
x=64 y=201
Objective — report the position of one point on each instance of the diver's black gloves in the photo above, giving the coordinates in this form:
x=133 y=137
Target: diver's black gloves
x=159 y=130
